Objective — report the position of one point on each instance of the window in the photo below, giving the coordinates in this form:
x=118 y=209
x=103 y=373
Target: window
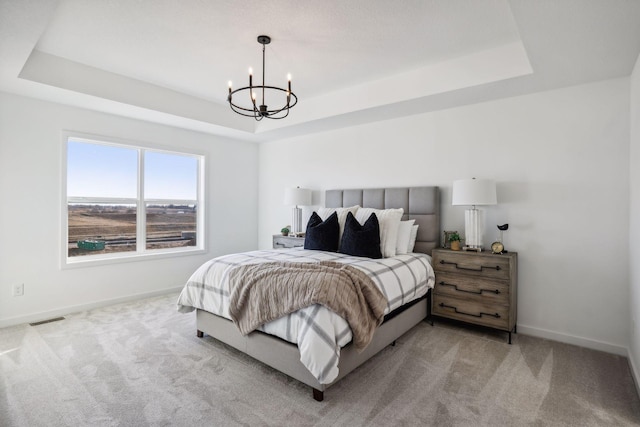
x=124 y=201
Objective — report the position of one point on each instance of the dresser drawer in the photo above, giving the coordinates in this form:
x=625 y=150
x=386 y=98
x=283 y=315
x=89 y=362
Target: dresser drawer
x=472 y=288
x=492 y=315
x=280 y=241
x=473 y=264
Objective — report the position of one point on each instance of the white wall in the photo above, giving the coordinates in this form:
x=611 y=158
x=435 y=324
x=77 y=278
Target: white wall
x=30 y=177
x=559 y=157
x=634 y=226
x=561 y=162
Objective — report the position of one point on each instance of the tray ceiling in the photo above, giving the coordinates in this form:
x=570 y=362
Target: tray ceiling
x=352 y=62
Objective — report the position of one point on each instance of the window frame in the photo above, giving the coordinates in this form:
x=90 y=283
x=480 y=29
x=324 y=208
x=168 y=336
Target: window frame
x=141 y=253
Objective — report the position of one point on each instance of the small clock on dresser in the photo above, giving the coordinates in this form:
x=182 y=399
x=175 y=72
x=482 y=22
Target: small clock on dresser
x=497 y=247
x=477 y=287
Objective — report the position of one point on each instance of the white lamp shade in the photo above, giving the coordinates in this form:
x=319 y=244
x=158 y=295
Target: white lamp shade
x=472 y=192
x=297 y=197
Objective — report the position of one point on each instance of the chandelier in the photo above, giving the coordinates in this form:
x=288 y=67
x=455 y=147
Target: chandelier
x=261 y=111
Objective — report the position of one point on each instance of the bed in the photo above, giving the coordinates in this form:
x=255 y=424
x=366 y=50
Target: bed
x=302 y=356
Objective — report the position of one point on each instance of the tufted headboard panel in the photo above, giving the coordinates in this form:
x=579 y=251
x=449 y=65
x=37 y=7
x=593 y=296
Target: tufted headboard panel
x=419 y=203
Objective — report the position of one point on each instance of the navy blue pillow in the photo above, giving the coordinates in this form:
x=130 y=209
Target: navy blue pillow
x=361 y=240
x=322 y=235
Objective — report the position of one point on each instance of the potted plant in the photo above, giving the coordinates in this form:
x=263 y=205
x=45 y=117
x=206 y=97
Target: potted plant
x=454 y=239
x=285 y=230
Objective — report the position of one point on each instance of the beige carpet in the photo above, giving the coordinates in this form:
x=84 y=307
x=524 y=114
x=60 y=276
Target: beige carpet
x=141 y=364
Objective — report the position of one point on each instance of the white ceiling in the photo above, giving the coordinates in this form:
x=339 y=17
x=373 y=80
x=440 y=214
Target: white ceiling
x=169 y=61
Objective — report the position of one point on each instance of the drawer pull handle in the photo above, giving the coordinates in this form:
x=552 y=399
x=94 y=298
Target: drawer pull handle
x=478 y=292
x=496 y=315
x=497 y=267
x=279 y=244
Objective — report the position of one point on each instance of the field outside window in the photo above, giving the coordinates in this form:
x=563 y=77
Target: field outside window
x=120 y=195
x=101 y=228
x=171 y=226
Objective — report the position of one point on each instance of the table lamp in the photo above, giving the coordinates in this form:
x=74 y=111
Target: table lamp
x=473 y=192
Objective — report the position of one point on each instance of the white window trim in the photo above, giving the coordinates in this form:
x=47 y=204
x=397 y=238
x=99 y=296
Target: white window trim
x=139 y=255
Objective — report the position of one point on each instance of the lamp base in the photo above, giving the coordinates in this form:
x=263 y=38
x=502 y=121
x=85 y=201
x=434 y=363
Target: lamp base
x=473 y=229
x=470 y=249
x=296 y=220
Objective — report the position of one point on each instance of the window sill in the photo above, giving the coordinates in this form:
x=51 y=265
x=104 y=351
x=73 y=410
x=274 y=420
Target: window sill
x=97 y=260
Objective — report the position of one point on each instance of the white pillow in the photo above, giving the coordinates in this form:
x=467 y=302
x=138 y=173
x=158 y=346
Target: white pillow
x=404 y=234
x=325 y=213
x=389 y=220
x=412 y=238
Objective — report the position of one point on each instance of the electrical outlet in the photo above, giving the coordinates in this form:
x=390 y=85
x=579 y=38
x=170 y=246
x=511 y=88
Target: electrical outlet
x=18 y=290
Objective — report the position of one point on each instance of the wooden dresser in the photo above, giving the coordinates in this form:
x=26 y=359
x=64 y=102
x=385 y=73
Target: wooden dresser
x=476 y=287
x=280 y=241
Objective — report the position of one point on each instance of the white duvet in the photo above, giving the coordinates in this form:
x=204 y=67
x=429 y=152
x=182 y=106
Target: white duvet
x=318 y=332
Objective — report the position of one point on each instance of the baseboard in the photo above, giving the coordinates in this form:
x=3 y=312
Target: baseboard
x=36 y=317
x=634 y=371
x=575 y=340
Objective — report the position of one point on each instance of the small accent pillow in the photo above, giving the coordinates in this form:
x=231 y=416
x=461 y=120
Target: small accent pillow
x=389 y=220
x=404 y=234
x=412 y=239
x=342 y=215
x=361 y=240
x=322 y=235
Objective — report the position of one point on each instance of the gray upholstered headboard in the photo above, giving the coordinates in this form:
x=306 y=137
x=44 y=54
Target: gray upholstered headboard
x=419 y=203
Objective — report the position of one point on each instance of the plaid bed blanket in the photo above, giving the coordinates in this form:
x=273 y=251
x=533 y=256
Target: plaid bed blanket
x=318 y=332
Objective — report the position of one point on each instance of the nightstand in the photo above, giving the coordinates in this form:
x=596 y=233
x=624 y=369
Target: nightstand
x=280 y=241
x=476 y=287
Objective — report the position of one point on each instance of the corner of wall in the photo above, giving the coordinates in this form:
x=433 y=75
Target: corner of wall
x=634 y=372
x=634 y=224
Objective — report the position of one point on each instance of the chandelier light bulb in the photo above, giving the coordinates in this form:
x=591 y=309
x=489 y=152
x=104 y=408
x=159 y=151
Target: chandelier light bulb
x=230 y=84
x=250 y=71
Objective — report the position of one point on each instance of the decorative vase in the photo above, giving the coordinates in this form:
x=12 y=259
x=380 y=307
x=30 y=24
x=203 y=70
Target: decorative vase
x=455 y=245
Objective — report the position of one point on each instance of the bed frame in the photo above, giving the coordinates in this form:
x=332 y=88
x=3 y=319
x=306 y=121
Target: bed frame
x=419 y=203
